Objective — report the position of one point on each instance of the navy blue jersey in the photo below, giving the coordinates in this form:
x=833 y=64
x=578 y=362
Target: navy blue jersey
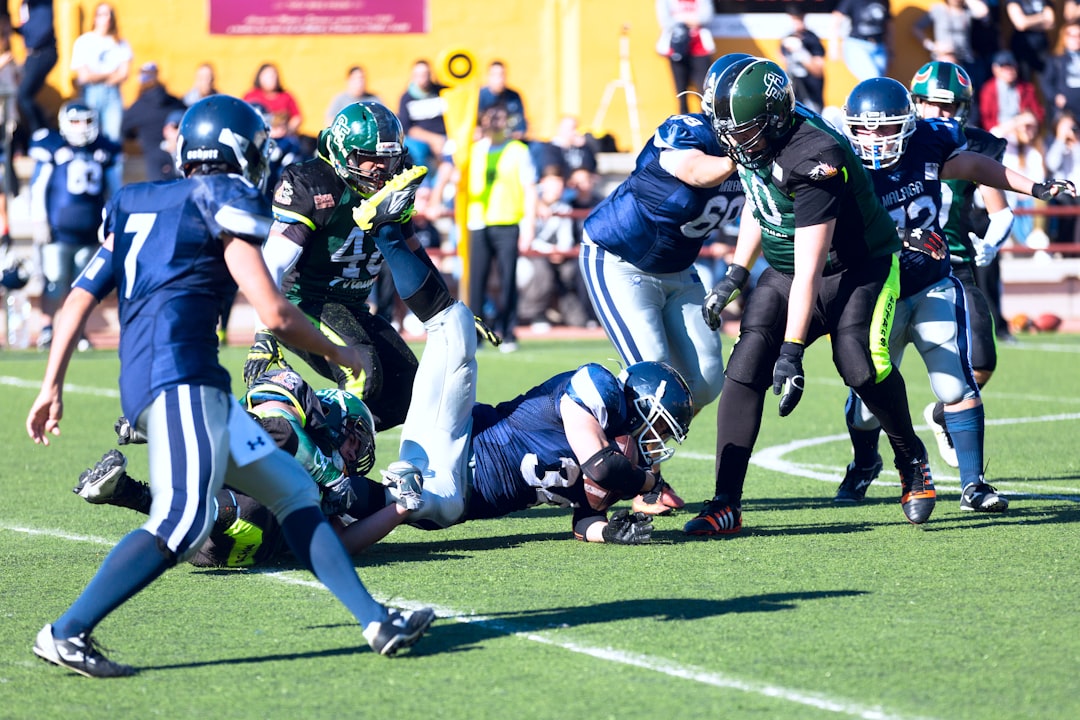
x=911 y=192
x=72 y=183
x=168 y=267
x=521 y=454
x=654 y=220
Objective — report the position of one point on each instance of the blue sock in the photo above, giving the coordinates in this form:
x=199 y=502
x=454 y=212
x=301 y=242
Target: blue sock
x=314 y=543
x=966 y=428
x=134 y=563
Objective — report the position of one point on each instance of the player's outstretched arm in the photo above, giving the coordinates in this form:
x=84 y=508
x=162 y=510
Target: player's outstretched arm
x=48 y=408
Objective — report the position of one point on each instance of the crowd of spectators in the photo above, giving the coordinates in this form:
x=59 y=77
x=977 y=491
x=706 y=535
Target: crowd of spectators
x=1023 y=57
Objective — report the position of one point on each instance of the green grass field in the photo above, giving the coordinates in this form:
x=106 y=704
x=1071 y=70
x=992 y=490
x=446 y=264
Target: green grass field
x=812 y=611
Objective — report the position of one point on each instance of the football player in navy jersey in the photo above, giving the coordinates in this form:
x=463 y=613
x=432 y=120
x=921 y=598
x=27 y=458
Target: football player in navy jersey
x=831 y=247
x=554 y=444
x=908 y=158
x=68 y=193
x=326 y=265
x=943 y=89
x=171 y=251
x=638 y=252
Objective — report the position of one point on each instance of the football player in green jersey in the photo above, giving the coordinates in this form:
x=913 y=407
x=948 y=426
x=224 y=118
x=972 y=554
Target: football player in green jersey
x=327 y=265
x=832 y=250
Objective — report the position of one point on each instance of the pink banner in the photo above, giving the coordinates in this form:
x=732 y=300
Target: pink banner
x=317 y=17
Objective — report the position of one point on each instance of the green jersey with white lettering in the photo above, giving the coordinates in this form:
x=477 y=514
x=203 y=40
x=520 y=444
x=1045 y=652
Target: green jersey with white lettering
x=816 y=177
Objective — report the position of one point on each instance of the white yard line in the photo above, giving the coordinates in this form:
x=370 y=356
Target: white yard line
x=556 y=638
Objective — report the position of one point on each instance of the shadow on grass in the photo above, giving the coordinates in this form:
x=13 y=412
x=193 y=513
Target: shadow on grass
x=469 y=632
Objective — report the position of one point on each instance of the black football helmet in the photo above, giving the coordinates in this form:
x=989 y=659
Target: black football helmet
x=751 y=105
x=347 y=416
x=879 y=117
x=225 y=131
x=663 y=407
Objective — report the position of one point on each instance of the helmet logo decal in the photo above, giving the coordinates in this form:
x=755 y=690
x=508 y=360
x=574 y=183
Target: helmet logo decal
x=775 y=86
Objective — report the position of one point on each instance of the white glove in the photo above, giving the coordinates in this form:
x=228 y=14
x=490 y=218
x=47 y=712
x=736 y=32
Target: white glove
x=984 y=252
x=997 y=232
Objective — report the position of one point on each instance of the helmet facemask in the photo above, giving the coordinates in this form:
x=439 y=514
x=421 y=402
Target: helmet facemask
x=879 y=117
x=366 y=173
x=78 y=124
x=657 y=427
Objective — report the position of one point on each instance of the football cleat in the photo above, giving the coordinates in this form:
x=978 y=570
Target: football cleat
x=980 y=497
x=918 y=496
x=856 y=480
x=717 y=517
x=100 y=483
x=661 y=500
x=944 y=441
x=400 y=630
x=126 y=434
x=80 y=654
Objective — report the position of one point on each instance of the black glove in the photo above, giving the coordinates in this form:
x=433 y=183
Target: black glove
x=338 y=496
x=485 y=332
x=926 y=241
x=723 y=293
x=788 y=377
x=627 y=528
x=1052 y=188
x=263 y=353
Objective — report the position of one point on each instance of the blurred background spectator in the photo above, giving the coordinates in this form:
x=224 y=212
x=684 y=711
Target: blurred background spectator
x=204 y=85
x=949 y=38
x=1006 y=96
x=502 y=196
x=1061 y=80
x=356 y=90
x=687 y=43
x=867 y=44
x=1032 y=21
x=145 y=120
x=495 y=91
x=1063 y=162
x=268 y=92
x=40 y=39
x=101 y=61
x=804 y=61
x=421 y=113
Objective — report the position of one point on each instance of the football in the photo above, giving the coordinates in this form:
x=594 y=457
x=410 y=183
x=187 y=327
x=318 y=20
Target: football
x=1047 y=322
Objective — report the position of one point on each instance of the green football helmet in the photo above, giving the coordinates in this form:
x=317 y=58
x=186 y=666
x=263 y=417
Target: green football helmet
x=348 y=417
x=362 y=132
x=943 y=83
x=751 y=105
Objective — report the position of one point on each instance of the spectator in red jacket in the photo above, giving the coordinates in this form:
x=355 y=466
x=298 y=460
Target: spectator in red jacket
x=1004 y=98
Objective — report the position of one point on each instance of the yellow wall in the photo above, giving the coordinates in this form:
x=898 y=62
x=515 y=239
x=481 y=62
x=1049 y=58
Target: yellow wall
x=560 y=54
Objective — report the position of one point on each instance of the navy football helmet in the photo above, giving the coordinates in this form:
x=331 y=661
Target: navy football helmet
x=347 y=417
x=221 y=130
x=662 y=405
x=879 y=117
x=751 y=105
x=78 y=124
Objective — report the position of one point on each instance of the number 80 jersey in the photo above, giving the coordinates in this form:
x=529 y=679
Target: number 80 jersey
x=654 y=220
